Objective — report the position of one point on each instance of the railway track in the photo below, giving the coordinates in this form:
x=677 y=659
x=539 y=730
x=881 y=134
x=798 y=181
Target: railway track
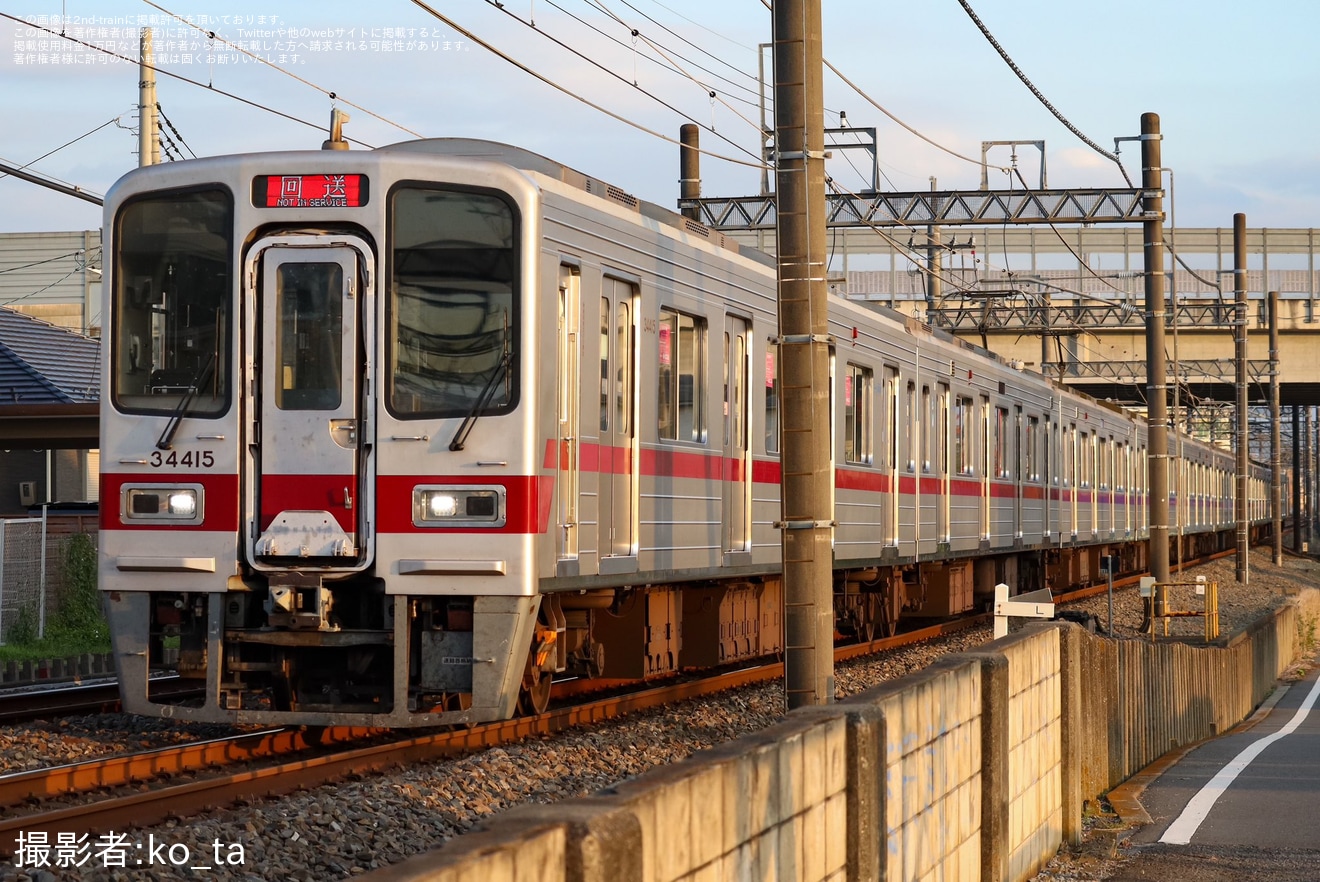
x=292 y=767
x=144 y=807
x=96 y=698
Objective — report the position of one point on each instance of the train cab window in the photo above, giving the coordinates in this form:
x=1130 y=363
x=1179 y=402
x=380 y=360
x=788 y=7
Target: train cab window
x=858 y=416
x=681 y=402
x=772 y=398
x=172 y=307
x=452 y=308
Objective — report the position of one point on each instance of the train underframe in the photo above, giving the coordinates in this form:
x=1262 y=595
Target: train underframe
x=347 y=652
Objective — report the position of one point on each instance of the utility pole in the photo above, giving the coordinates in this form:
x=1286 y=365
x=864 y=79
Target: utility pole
x=807 y=481
x=689 y=167
x=1276 y=441
x=1240 y=502
x=1157 y=413
x=1297 y=478
x=148 y=132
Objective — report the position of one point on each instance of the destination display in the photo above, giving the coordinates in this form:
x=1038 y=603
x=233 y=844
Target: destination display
x=309 y=191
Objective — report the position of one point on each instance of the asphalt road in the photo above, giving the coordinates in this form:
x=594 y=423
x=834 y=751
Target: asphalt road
x=1242 y=807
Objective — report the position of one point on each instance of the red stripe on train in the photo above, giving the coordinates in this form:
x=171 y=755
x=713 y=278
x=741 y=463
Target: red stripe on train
x=219 y=499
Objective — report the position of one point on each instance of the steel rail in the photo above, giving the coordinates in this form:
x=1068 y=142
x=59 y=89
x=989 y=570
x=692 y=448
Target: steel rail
x=23 y=707
x=52 y=782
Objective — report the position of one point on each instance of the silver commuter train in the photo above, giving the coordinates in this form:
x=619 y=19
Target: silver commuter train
x=394 y=437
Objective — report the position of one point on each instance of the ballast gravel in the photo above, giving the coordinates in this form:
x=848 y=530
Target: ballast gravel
x=346 y=829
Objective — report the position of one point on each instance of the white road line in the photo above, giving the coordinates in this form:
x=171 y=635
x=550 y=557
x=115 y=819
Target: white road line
x=1182 y=830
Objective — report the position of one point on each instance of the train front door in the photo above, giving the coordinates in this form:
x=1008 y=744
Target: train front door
x=307 y=445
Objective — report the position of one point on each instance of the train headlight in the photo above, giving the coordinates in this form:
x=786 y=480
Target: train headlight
x=158 y=503
x=435 y=506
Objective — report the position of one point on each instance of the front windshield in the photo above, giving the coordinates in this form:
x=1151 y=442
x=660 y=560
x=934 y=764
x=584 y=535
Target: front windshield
x=452 y=307
x=172 y=302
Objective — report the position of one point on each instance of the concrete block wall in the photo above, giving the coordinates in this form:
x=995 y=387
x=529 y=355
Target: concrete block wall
x=1035 y=739
x=974 y=769
x=931 y=768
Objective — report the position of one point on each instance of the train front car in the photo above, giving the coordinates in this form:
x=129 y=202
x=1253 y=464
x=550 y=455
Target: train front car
x=319 y=492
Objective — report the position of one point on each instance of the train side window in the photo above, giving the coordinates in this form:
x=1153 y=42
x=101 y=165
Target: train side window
x=930 y=438
x=858 y=398
x=681 y=405
x=605 y=364
x=963 y=445
x=891 y=418
x=1001 y=444
x=772 y=397
x=910 y=426
x=1031 y=468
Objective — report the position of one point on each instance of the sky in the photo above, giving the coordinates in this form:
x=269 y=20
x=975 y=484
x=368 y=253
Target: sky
x=1235 y=86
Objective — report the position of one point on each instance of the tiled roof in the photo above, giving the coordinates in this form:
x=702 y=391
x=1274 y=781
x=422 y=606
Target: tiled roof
x=41 y=363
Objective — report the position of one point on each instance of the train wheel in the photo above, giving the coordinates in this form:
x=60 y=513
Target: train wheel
x=534 y=694
x=868 y=617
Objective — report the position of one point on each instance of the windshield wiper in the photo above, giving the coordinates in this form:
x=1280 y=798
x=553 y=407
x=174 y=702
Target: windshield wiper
x=166 y=439
x=487 y=393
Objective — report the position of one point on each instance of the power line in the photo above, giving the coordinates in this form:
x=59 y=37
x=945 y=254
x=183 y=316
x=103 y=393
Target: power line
x=713 y=94
x=206 y=86
x=565 y=90
x=66 y=144
x=617 y=76
x=12 y=269
x=1112 y=157
x=662 y=65
x=677 y=35
x=171 y=127
x=332 y=95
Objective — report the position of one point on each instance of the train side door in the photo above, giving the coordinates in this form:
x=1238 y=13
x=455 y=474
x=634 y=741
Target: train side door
x=307 y=444
x=617 y=469
x=567 y=403
x=735 y=485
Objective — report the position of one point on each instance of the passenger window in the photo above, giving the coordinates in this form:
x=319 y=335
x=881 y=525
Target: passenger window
x=682 y=376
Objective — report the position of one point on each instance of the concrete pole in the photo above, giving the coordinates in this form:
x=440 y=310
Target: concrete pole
x=1241 y=502
x=806 y=489
x=689 y=168
x=1297 y=478
x=1276 y=440
x=148 y=133
x=934 y=278
x=1157 y=402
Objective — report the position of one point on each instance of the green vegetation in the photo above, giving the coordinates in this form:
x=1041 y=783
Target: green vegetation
x=1306 y=627
x=77 y=625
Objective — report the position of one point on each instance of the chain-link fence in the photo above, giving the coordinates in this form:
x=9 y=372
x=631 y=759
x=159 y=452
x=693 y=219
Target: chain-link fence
x=24 y=592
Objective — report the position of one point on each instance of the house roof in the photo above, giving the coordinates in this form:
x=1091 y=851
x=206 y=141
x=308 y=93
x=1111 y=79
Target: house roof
x=41 y=363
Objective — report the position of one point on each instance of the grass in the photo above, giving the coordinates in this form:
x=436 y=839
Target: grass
x=78 y=625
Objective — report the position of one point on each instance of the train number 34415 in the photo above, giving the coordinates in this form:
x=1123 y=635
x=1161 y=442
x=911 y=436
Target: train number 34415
x=188 y=459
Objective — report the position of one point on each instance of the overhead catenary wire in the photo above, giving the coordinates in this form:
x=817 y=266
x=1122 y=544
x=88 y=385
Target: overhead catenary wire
x=170 y=126
x=616 y=75
x=659 y=63
x=108 y=122
x=679 y=36
x=714 y=95
x=985 y=31
x=333 y=95
x=566 y=91
x=208 y=87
